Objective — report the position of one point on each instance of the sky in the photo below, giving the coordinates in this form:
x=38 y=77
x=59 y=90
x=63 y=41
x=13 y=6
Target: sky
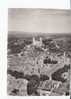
x=39 y=20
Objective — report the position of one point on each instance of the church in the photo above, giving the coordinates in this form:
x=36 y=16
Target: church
x=37 y=43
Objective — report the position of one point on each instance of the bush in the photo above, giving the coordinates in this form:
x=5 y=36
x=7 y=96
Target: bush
x=43 y=77
x=32 y=87
x=57 y=75
x=16 y=74
x=33 y=84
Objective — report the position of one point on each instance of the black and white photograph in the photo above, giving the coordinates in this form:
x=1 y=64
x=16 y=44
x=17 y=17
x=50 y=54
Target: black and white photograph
x=38 y=52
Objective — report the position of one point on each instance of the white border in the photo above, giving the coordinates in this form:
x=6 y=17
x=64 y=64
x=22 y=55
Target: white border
x=53 y=4
x=4 y=5
x=3 y=50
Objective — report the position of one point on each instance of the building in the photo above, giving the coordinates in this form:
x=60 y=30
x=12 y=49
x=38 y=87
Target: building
x=37 y=43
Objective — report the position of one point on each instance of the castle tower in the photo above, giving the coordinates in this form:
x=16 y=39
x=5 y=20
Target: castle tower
x=34 y=41
x=40 y=39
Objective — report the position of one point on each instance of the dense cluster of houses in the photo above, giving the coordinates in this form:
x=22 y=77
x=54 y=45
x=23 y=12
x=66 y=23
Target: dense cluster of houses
x=38 y=61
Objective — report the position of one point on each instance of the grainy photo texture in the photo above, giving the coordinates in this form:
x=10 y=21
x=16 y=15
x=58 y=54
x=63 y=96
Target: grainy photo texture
x=38 y=52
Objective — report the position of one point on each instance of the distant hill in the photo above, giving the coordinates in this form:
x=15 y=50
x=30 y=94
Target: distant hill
x=36 y=34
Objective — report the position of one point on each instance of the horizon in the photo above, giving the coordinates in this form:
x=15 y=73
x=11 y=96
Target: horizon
x=43 y=35
x=22 y=32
